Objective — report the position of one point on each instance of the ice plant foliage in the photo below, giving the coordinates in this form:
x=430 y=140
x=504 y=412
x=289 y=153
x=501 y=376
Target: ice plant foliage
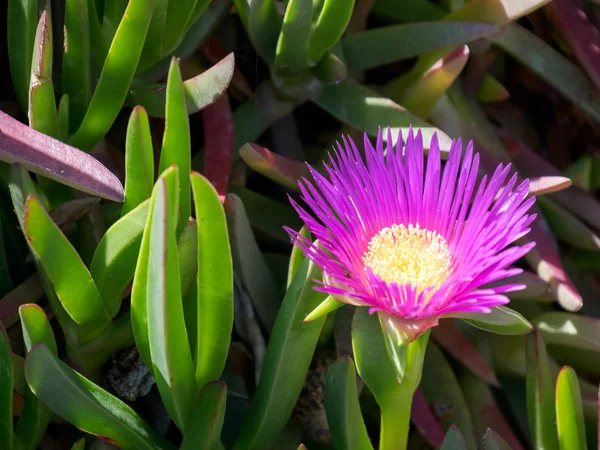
x=410 y=240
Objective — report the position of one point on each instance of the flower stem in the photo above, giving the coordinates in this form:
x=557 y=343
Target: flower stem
x=395 y=420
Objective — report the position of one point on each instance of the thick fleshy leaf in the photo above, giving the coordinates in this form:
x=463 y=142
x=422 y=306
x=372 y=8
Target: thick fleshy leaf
x=176 y=142
x=551 y=66
x=85 y=405
x=362 y=108
x=76 y=62
x=139 y=160
x=42 y=104
x=421 y=95
x=329 y=27
x=572 y=339
x=62 y=265
x=264 y=27
x=450 y=338
x=63 y=117
x=569 y=411
x=291 y=55
x=545 y=260
x=547 y=185
x=441 y=389
x=218 y=144
x=291 y=347
x=114 y=261
x=454 y=440
x=540 y=395
x=215 y=283
x=167 y=336
x=484 y=410
x=6 y=391
x=79 y=444
x=285 y=171
x=116 y=76
x=386 y=45
x=501 y=320
x=139 y=289
x=179 y=14
x=344 y=417
x=153 y=45
x=250 y=264
x=187 y=254
x=35 y=416
x=197 y=33
x=206 y=421
x=21 y=24
x=200 y=91
x=567 y=227
x=536 y=289
x=53 y=159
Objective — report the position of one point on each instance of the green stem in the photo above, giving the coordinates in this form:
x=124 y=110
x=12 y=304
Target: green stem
x=395 y=420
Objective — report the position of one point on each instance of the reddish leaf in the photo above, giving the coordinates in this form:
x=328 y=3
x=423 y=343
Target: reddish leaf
x=285 y=171
x=422 y=418
x=56 y=160
x=218 y=144
x=545 y=260
x=451 y=339
x=573 y=25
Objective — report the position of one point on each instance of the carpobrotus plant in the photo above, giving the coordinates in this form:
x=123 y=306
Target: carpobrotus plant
x=412 y=242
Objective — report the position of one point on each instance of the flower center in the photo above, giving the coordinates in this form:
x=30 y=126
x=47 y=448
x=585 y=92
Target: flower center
x=412 y=255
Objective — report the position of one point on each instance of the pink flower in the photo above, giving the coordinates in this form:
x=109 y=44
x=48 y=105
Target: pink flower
x=409 y=240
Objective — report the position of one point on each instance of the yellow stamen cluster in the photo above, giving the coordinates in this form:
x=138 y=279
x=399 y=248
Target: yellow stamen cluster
x=412 y=255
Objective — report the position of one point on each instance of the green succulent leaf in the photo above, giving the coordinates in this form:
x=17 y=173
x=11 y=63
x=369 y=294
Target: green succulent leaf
x=386 y=45
x=64 y=109
x=329 y=27
x=139 y=160
x=215 y=283
x=540 y=395
x=179 y=14
x=64 y=268
x=200 y=91
x=116 y=76
x=264 y=27
x=297 y=256
x=291 y=347
x=362 y=108
x=501 y=320
x=344 y=417
x=168 y=345
x=21 y=24
x=76 y=63
x=206 y=421
x=85 y=405
x=176 y=142
x=291 y=55
x=114 y=262
x=569 y=411
x=250 y=263
x=42 y=104
x=153 y=46
x=35 y=416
